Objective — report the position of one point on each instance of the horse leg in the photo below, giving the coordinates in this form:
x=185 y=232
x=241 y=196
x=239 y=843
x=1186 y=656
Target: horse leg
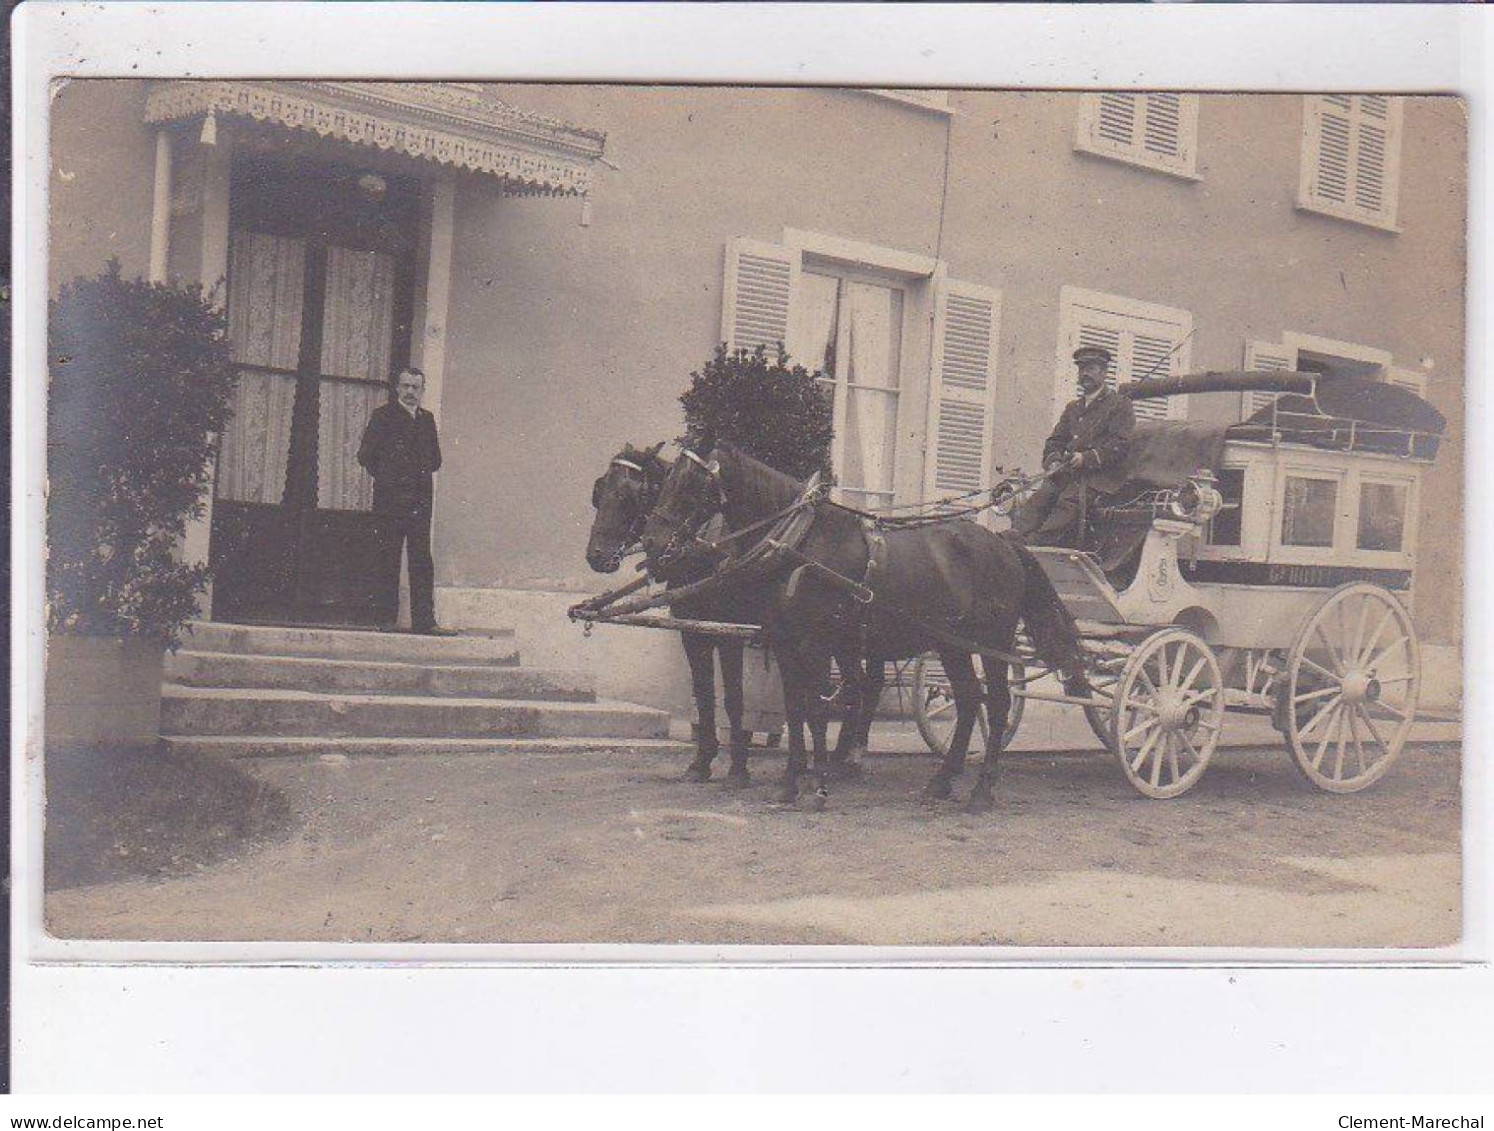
x=731 y=682
x=998 y=705
x=817 y=710
x=700 y=651
x=793 y=712
x=960 y=669
x=871 y=696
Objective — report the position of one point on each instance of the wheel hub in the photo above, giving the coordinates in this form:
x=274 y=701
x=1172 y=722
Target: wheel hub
x=1361 y=686
x=1173 y=713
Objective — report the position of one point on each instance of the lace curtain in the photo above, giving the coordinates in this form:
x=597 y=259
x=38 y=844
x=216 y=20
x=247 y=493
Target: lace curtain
x=357 y=329
x=267 y=278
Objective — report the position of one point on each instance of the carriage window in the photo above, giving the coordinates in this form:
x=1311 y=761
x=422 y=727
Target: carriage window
x=1307 y=516
x=1382 y=516
x=1224 y=528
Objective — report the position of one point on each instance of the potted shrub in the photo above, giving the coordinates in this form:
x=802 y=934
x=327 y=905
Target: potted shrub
x=141 y=378
x=767 y=406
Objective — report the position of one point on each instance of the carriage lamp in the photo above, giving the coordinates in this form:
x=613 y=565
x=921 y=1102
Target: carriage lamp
x=1198 y=500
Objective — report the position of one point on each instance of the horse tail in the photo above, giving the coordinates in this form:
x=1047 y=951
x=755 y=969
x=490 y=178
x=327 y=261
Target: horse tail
x=1049 y=623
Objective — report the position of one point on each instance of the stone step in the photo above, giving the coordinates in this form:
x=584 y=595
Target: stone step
x=494 y=647
x=253 y=746
x=377 y=677
x=198 y=711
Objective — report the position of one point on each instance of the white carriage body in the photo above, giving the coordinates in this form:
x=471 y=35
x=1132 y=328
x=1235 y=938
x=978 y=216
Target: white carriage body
x=1298 y=521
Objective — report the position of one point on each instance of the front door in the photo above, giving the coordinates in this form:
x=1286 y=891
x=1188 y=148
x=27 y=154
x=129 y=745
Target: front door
x=321 y=265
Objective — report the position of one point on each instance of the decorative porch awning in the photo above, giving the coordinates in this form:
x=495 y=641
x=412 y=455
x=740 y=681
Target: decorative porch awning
x=450 y=124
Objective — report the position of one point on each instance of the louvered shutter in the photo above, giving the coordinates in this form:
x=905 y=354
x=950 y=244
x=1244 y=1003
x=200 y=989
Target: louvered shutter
x=1140 y=348
x=1151 y=129
x=1351 y=159
x=1268 y=357
x=1117 y=119
x=1412 y=379
x=758 y=295
x=962 y=389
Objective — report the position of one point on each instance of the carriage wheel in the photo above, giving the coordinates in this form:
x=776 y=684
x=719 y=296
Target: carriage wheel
x=1169 y=709
x=1349 y=696
x=1102 y=682
x=934 y=705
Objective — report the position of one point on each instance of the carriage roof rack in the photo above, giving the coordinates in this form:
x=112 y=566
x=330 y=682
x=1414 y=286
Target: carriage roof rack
x=1316 y=409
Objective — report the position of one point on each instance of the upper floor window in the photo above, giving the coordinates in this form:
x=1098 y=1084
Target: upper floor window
x=1145 y=341
x=1158 y=131
x=1351 y=157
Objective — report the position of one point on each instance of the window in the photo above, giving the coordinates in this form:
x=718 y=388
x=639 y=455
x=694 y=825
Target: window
x=1351 y=157
x=1225 y=527
x=1308 y=511
x=1145 y=341
x=908 y=354
x=1382 y=515
x=1308 y=353
x=1157 y=131
x=852 y=331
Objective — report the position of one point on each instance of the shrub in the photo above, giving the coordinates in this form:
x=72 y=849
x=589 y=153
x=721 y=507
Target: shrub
x=141 y=376
x=766 y=406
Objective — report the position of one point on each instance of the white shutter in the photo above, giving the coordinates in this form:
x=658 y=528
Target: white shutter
x=1145 y=340
x=1413 y=379
x=1150 y=360
x=1116 y=119
x=962 y=389
x=1267 y=357
x=1156 y=130
x=757 y=297
x=1351 y=155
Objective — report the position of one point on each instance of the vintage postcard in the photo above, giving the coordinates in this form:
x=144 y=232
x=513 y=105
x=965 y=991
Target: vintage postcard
x=1149 y=402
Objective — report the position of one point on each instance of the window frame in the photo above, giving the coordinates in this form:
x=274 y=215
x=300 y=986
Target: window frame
x=1385 y=219
x=1072 y=300
x=1088 y=140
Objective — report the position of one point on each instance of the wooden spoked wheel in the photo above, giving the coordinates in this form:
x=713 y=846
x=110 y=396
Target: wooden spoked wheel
x=934 y=705
x=1103 y=682
x=1169 y=710
x=1350 y=691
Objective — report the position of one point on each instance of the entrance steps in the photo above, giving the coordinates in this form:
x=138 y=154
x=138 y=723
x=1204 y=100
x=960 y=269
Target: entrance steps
x=251 y=690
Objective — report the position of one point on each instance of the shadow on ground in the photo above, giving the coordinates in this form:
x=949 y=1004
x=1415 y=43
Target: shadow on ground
x=143 y=812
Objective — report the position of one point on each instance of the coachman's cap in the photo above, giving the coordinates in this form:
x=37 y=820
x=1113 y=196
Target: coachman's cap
x=1091 y=353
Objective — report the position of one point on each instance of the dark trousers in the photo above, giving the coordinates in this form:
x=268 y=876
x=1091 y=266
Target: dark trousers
x=1051 y=516
x=396 y=532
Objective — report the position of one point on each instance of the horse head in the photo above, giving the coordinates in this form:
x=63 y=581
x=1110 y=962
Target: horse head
x=623 y=496
x=691 y=496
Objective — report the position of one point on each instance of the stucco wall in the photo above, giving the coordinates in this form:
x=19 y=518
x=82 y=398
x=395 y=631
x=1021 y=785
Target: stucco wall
x=102 y=179
x=567 y=341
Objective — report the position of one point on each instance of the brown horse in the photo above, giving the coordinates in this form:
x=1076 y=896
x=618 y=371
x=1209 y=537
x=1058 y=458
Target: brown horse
x=951 y=587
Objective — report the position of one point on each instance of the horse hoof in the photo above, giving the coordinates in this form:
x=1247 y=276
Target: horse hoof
x=698 y=771
x=981 y=801
x=738 y=779
x=938 y=789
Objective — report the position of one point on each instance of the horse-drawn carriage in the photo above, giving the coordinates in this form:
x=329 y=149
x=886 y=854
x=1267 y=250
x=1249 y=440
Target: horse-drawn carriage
x=1258 y=568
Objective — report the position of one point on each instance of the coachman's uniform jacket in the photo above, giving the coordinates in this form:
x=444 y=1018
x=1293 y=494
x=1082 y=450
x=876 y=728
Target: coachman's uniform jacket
x=1100 y=432
x=401 y=452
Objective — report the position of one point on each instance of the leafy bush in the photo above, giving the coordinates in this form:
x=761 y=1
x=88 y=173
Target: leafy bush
x=141 y=375
x=767 y=407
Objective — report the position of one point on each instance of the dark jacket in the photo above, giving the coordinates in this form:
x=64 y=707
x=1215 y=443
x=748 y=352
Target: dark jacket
x=401 y=453
x=1102 y=432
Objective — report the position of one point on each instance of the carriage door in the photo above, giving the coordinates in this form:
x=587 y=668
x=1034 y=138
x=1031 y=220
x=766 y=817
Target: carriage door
x=319 y=305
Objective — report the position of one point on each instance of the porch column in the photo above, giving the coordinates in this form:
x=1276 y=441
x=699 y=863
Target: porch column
x=160 y=211
x=214 y=273
x=428 y=350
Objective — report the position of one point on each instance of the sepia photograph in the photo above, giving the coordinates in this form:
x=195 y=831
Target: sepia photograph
x=653 y=514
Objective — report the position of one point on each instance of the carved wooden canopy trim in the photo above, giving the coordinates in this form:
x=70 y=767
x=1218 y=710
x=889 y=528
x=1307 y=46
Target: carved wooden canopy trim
x=449 y=124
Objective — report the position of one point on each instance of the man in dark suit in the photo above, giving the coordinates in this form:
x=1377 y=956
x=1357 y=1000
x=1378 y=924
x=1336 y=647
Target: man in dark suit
x=1086 y=453
x=402 y=453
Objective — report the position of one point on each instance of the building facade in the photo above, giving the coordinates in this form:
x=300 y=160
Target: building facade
x=938 y=256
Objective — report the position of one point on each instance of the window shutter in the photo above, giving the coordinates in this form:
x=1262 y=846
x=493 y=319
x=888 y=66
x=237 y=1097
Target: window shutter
x=1163 y=130
x=1268 y=357
x=1412 y=379
x=962 y=389
x=1351 y=155
x=757 y=295
x=1116 y=119
x=1134 y=354
x=1154 y=130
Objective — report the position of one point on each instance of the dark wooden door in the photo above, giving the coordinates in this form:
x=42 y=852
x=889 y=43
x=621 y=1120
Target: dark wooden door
x=319 y=302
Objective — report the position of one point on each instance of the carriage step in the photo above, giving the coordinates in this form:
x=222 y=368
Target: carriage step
x=377 y=677
x=192 y=711
x=301 y=746
x=496 y=647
